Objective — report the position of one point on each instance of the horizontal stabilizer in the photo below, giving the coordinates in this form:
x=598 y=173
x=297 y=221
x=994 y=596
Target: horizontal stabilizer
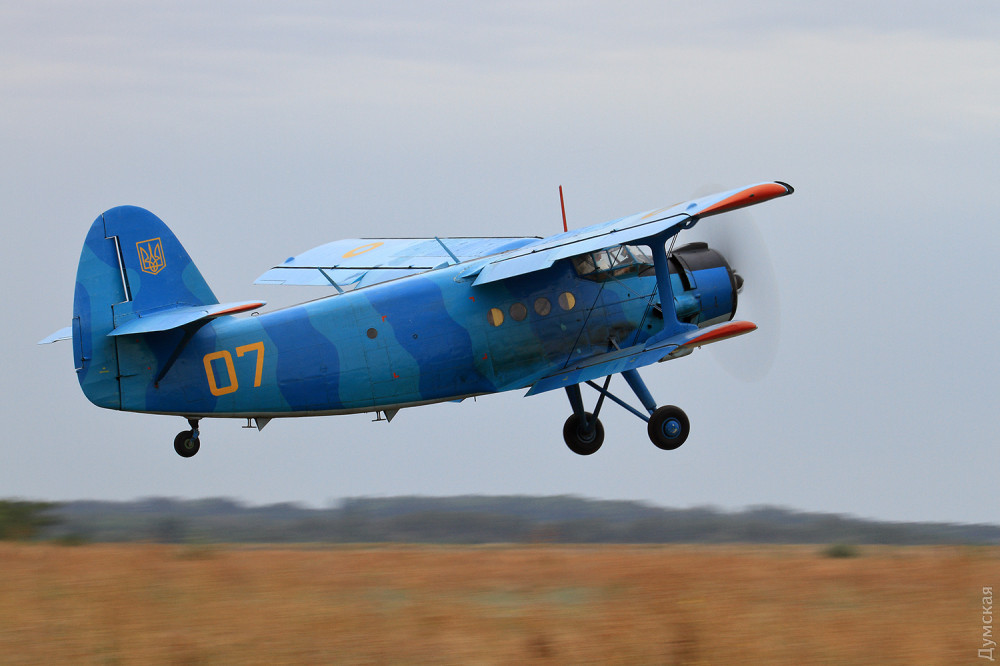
x=169 y=318
x=637 y=356
x=61 y=334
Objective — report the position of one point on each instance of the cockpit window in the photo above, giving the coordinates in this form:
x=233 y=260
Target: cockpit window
x=618 y=261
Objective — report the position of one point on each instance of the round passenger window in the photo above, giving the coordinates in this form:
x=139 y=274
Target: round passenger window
x=567 y=300
x=518 y=312
x=543 y=306
x=495 y=316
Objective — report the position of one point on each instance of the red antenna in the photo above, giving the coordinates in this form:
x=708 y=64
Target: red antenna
x=563 y=205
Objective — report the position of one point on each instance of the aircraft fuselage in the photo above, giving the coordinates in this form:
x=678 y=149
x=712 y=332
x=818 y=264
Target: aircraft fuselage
x=421 y=339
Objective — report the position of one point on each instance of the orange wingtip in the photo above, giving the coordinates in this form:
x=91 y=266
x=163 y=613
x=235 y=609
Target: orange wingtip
x=730 y=330
x=238 y=309
x=748 y=197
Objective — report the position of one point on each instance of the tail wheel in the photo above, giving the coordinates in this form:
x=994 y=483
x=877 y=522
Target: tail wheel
x=581 y=440
x=186 y=444
x=668 y=427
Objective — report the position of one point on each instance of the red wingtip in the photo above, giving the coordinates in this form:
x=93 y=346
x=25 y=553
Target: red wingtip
x=238 y=309
x=748 y=197
x=730 y=330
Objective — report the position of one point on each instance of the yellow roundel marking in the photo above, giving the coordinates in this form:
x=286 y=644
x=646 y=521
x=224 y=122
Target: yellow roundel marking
x=495 y=316
x=361 y=250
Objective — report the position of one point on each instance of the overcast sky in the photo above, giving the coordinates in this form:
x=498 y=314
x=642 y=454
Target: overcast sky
x=258 y=130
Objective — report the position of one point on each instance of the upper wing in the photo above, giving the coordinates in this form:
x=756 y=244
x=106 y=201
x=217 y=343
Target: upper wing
x=629 y=229
x=361 y=262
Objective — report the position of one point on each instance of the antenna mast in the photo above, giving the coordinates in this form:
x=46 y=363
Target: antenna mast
x=562 y=204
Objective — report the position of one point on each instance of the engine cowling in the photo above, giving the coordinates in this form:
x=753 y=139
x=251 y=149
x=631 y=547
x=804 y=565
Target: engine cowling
x=710 y=286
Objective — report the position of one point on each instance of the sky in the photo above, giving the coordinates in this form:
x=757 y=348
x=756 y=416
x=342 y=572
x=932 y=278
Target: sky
x=259 y=130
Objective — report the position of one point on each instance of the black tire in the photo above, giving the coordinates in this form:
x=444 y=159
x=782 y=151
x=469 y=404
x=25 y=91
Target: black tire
x=185 y=445
x=668 y=427
x=579 y=441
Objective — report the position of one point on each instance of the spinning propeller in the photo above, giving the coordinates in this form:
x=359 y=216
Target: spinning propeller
x=736 y=236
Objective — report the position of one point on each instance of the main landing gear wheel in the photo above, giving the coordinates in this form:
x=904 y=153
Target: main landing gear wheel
x=580 y=440
x=668 y=427
x=186 y=444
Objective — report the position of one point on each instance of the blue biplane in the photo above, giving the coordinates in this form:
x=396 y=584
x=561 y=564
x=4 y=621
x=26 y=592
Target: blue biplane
x=408 y=322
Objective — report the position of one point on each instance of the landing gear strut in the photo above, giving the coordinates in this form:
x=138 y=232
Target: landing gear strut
x=186 y=443
x=668 y=426
x=583 y=431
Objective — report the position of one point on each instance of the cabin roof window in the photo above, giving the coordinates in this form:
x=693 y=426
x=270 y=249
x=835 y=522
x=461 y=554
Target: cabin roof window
x=617 y=261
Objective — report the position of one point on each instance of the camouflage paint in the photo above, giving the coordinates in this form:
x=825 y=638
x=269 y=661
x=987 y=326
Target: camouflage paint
x=416 y=340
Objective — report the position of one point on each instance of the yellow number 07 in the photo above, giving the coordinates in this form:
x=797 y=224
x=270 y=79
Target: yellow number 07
x=231 y=387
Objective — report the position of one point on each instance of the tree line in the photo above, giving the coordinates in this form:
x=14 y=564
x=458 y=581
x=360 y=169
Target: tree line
x=458 y=520
x=20 y=520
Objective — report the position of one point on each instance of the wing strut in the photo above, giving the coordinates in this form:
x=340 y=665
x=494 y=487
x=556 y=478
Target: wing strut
x=450 y=253
x=671 y=326
x=331 y=281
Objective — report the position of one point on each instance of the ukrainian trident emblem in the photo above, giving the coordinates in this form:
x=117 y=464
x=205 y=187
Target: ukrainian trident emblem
x=151 y=256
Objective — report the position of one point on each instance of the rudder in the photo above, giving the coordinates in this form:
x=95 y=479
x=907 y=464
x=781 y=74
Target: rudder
x=131 y=263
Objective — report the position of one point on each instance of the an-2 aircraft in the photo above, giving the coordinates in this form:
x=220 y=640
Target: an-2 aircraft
x=409 y=321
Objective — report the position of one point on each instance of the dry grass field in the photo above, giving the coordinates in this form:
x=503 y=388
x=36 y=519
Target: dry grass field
x=138 y=604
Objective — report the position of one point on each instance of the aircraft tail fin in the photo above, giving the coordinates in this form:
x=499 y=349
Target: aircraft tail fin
x=131 y=264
